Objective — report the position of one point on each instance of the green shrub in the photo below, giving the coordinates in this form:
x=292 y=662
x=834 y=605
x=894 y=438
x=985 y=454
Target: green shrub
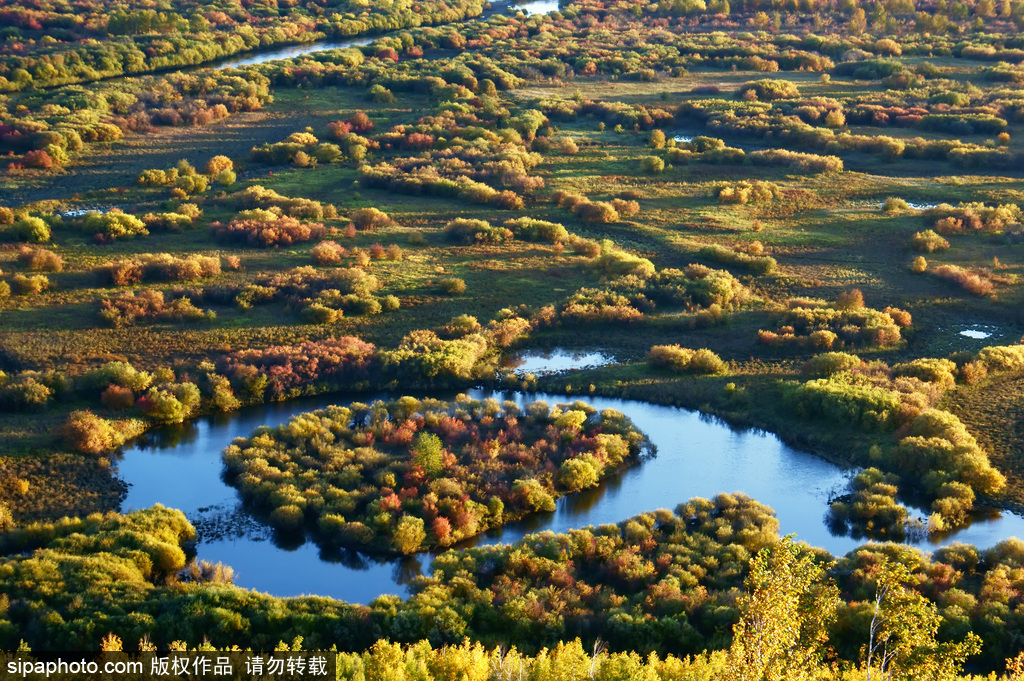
x=529 y=229
x=768 y=89
x=1003 y=358
x=941 y=372
x=895 y=205
x=839 y=401
x=30 y=285
x=829 y=363
x=452 y=286
x=577 y=474
x=759 y=264
x=652 y=165
x=928 y=242
x=871 y=508
x=170 y=402
x=683 y=360
x=31 y=229
x=114 y=224
x=467 y=231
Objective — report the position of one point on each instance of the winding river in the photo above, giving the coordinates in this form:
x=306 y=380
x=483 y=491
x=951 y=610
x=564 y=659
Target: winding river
x=696 y=456
x=291 y=51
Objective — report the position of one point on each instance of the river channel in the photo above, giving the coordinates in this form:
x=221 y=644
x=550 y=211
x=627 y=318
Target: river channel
x=695 y=456
x=291 y=51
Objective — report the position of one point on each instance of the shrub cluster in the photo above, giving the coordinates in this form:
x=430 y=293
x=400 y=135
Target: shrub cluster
x=267 y=229
x=768 y=89
x=932 y=453
x=258 y=196
x=974 y=218
x=796 y=161
x=684 y=360
x=747 y=191
x=468 y=231
x=31 y=390
x=158 y=267
x=972 y=282
x=928 y=242
x=126 y=309
x=287 y=371
x=370 y=219
x=590 y=211
x=184 y=179
x=758 y=264
x=824 y=327
x=429 y=180
x=871 y=508
x=414 y=474
x=301 y=149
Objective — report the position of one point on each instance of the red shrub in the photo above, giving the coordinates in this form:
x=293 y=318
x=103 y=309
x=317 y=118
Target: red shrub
x=37 y=158
x=287 y=367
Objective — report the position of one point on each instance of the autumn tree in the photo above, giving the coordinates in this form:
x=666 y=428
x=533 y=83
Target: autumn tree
x=427 y=452
x=902 y=643
x=87 y=433
x=786 y=611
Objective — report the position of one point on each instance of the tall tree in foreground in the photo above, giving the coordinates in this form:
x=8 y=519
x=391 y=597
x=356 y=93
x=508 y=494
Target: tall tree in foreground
x=901 y=641
x=784 y=619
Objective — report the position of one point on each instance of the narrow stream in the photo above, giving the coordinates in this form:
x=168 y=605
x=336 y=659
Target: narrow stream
x=292 y=51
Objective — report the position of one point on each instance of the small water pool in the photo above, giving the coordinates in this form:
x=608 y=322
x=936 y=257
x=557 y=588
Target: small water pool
x=536 y=7
x=554 y=361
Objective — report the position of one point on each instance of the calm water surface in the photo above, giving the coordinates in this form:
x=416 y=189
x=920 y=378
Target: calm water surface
x=549 y=362
x=290 y=51
x=696 y=456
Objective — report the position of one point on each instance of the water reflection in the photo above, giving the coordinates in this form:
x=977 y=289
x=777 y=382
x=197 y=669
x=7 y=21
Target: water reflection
x=292 y=51
x=537 y=7
x=553 y=361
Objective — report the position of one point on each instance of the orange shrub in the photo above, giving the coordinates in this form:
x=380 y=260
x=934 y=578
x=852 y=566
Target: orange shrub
x=282 y=231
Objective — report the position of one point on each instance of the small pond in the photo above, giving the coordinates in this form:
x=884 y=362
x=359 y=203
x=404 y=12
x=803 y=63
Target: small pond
x=82 y=212
x=696 y=456
x=974 y=336
x=976 y=332
x=536 y=6
x=541 y=362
